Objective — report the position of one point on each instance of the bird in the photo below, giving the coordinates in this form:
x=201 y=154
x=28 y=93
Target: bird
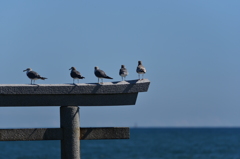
x=75 y=74
x=123 y=72
x=140 y=69
x=100 y=74
x=33 y=75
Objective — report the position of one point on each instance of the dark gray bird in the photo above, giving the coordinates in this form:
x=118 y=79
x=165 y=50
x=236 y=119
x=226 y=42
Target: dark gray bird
x=100 y=74
x=141 y=69
x=33 y=75
x=123 y=72
x=75 y=74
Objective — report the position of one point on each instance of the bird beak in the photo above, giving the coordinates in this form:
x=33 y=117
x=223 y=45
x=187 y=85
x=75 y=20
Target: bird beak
x=70 y=68
x=24 y=70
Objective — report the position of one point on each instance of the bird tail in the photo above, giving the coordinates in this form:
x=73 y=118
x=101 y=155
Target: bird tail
x=82 y=77
x=109 y=77
x=43 y=78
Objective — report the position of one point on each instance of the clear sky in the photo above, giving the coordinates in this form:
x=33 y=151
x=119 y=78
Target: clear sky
x=191 y=50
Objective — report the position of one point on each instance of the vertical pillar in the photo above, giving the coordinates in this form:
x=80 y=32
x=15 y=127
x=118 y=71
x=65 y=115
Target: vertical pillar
x=70 y=125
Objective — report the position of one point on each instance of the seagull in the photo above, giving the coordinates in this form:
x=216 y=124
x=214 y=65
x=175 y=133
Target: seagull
x=33 y=75
x=100 y=74
x=123 y=72
x=141 y=69
x=75 y=74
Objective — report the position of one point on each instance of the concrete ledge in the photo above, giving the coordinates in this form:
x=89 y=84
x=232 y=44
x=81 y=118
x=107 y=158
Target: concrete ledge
x=133 y=86
x=56 y=134
x=106 y=94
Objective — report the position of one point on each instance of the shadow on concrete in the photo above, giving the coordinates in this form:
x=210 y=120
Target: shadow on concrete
x=86 y=133
x=72 y=88
x=128 y=84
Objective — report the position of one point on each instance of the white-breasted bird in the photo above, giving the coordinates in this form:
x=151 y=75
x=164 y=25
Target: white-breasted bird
x=123 y=72
x=140 y=69
x=33 y=75
x=75 y=74
x=100 y=74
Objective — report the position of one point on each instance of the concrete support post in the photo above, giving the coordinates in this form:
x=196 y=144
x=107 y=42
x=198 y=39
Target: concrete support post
x=70 y=124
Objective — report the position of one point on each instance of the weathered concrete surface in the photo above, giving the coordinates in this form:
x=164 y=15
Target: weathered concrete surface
x=30 y=134
x=56 y=134
x=70 y=144
x=133 y=86
x=104 y=133
x=79 y=100
x=106 y=94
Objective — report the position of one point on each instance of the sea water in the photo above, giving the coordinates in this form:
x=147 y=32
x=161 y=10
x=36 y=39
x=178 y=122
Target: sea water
x=144 y=143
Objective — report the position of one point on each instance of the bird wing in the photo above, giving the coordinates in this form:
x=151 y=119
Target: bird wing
x=76 y=74
x=100 y=73
x=141 y=69
x=33 y=74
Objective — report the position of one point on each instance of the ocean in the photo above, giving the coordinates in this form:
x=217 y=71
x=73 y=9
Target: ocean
x=144 y=143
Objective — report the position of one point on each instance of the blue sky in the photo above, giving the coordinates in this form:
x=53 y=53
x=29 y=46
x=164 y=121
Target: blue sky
x=190 y=49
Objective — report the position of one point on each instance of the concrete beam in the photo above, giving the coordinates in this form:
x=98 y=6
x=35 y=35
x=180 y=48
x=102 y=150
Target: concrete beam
x=30 y=134
x=104 y=133
x=133 y=86
x=93 y=94
x=57 y=134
